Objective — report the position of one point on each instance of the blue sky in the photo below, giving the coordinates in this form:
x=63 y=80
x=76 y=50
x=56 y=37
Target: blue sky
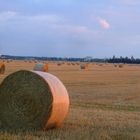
x=70 y=28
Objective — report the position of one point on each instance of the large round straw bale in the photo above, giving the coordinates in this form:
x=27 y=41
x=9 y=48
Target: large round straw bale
x=41 y=67
x=32 y=100
x=2 y=68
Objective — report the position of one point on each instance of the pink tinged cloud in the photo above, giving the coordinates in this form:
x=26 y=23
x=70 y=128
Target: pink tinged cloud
x=104 y=23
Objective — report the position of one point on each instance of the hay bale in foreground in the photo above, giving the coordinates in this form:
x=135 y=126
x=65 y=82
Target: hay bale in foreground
x=41 y=67
x=2 y=68
x=32 y=100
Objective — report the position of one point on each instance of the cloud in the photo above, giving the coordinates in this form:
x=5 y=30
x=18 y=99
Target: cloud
x=79 y=29
x=76 y=29
x=7 y=15
x=44 y=18
x=45 y=28
x=50 y=18
x=104 y=23
x=45 y=23
x=130 y=2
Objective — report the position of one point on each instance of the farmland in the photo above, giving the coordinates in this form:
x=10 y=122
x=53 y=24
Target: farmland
x=104 y=102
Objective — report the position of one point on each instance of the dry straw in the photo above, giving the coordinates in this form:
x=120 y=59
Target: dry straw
x=32 y=100
x=2 y=68
x=41 y=67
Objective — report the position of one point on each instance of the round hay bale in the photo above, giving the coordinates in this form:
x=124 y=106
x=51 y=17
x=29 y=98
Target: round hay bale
x=73 y=64
x=59 y=64
x=41 y=67
x=121 y=65
x=83 y=66
x=2 y=68
x=77 y=64
x=100 y=64
x=32 y=100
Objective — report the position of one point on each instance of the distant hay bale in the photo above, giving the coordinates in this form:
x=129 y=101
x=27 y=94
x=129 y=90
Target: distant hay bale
x=59 y=64
x=83 y=66
x=68 y=63
x=120 y=65
x=30 y=61
x=32 y=100
x=100 y=64
x=35 y=61
x=2 y=68
x=43 y=62
x=115 y=65
x=41 y=67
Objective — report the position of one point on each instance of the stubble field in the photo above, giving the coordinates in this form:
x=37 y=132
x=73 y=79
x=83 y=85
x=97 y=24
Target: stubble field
x=104 y=102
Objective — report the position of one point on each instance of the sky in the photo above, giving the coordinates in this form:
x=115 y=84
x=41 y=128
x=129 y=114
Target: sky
x=70 y=28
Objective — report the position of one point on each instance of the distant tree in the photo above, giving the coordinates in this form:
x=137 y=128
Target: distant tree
x=126 y=59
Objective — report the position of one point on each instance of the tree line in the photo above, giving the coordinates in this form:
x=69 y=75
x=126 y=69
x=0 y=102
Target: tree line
x=125 y=60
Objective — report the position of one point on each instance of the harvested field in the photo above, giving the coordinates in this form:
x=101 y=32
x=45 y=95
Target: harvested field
x=104 y=103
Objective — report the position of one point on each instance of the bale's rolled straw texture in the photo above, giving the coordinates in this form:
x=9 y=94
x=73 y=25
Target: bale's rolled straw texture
x=41 y=67
x=2 y=68
x=32 y=100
